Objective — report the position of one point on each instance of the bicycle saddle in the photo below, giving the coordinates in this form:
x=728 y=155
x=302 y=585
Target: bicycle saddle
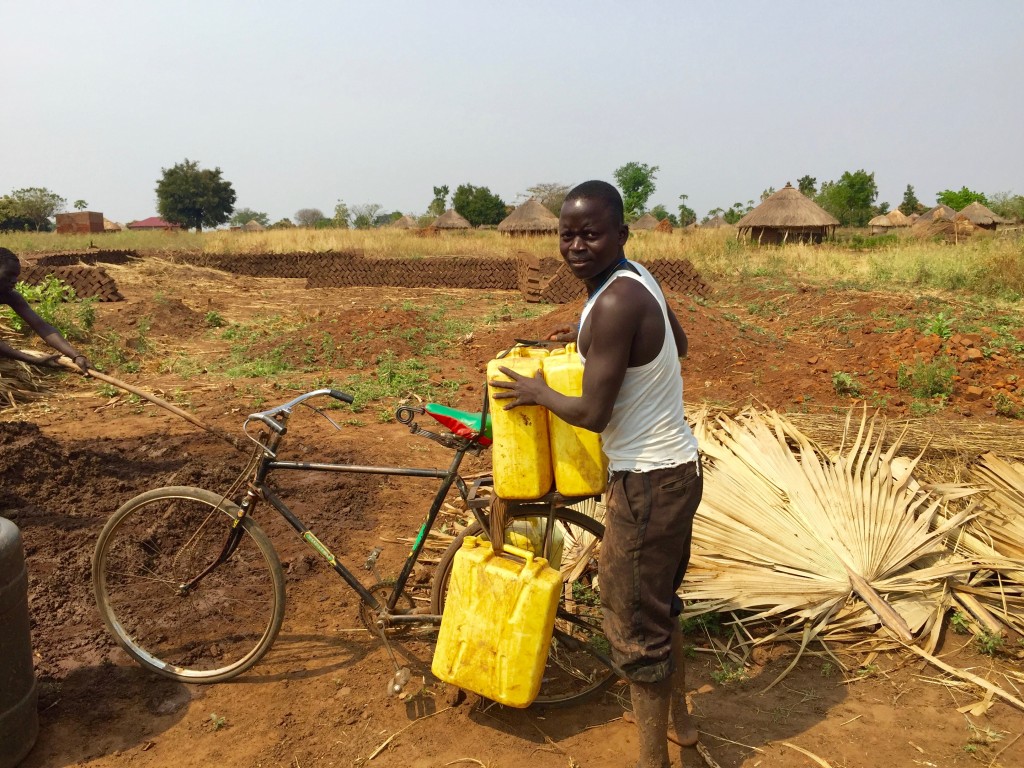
x=461 y=423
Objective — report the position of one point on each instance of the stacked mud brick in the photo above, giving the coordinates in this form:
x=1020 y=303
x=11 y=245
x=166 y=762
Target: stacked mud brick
x=676 y=275
x=79 y=270
x=547 y=280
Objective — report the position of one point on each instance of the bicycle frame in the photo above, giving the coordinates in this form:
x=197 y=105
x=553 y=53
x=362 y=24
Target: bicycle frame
x=269 y=463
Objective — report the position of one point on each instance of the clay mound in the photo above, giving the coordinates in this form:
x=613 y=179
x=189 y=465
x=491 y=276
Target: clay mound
x=170 y=317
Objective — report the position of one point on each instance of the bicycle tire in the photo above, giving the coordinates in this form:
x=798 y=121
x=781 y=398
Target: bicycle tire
x=571 y=676
x=156 y=543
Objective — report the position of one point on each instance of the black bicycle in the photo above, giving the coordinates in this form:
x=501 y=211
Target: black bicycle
x=191 y=587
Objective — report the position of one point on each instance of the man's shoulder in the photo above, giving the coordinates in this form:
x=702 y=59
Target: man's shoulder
x=628 y=292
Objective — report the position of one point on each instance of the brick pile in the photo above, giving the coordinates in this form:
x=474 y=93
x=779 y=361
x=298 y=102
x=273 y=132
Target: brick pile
x=88 y=282
x=676 y=275
x=547 y=280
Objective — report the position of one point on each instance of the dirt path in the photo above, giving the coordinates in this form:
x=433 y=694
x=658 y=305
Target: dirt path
x=318 y=699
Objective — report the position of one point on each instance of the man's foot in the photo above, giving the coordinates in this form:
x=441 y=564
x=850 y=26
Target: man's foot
x=683 y=737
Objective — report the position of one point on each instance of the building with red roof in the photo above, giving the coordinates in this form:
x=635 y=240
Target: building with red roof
x=153 y=222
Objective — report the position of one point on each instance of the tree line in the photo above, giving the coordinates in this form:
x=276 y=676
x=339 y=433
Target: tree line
x=195 y=197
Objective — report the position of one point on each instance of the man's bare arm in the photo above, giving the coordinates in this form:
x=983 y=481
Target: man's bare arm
x=613 y=327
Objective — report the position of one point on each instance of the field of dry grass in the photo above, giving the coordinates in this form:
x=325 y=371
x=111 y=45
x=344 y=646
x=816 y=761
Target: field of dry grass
x=985 y=265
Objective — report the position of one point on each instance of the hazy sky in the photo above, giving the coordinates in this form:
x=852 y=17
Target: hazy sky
x=303 y=103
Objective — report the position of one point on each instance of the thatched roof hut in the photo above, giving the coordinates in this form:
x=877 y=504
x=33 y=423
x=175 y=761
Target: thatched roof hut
x=111 y=226
x=717 y=222
x=880 y=224
x=530 y=218
x=939 y=213
x=405 y=222
x=644 y=223
x=451 y=219
x=897 y=218
x=787 y=216
x=981 y=216
x=252 y=226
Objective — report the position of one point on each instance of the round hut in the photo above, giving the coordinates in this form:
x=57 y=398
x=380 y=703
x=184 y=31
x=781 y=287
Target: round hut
x=939 y=213
x=530 y=218
x=252 y=226
x=981 y=216
x=787 y=216
x=880 y=225
x=451 y=219
x=405 y=222
x=897 y=218
x=645 y=223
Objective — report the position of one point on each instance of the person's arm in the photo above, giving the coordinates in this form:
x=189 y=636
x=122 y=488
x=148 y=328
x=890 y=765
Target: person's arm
x=46 y=332
x=613 y=326
x=6 y=350
x=682 y=343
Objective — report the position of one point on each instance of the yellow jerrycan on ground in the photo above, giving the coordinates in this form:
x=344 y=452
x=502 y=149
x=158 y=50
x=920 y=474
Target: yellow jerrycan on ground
x=580 y=466
x=499 y=615
x=520 y=453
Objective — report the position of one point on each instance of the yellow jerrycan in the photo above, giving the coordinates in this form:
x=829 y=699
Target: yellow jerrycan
x=520 y=453
x=499 y=615
x=580 y=466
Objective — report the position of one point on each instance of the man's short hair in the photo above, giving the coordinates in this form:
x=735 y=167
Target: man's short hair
x=601 y=191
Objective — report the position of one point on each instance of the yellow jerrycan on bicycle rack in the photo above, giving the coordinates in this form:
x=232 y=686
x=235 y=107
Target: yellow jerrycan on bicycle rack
x=580 y=466
x=499 y=615
x=520 y=453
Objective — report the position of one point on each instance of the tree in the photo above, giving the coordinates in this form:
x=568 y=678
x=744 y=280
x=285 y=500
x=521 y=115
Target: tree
x=551 y=195
x=342 y=215
x=736 y=211
x=910 y=202
x=686 y=214
x=851 y=199
x=308 y=217
x=765 y=194
x=808 y=186
x=284 y=223
x=364 y=215
x=960 y=200
x=35 y=206
x=244 y=215
x=1007 y=205
x=661 y=213
x=81 y=205
x=440 y=202
x=636 y=182
x=194 y=197
x=478 y=205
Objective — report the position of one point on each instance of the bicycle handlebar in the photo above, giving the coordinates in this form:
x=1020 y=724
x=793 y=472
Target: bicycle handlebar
x=267 y=417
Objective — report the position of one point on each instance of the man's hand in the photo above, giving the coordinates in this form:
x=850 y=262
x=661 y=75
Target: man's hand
x=565 y=334
x=81 y=361
x=522 y=390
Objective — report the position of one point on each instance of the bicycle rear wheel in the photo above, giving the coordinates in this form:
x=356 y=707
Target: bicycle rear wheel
x=148 y=554
x=575 y=670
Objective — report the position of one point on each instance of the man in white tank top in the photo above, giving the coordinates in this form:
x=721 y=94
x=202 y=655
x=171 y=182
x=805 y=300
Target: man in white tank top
x=631 y=341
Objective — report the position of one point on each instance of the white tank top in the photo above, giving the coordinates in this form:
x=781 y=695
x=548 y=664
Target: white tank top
x=648 y=428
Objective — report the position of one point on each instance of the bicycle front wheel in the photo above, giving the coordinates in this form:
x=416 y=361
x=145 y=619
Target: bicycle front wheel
x=167 y=600
x=577 y=667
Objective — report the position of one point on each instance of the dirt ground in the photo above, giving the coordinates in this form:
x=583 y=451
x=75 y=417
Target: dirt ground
x=318 y=699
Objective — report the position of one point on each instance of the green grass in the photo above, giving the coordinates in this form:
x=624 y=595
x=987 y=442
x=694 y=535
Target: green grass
x=56 y=303
x=926 y=380
x=393 y=379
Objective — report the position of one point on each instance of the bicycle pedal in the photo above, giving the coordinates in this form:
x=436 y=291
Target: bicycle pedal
x=398 y=682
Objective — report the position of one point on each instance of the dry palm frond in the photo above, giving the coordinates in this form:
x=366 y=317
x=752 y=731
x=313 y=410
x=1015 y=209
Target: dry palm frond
x=835 y=544
x=18 y=382
x=994 y=598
